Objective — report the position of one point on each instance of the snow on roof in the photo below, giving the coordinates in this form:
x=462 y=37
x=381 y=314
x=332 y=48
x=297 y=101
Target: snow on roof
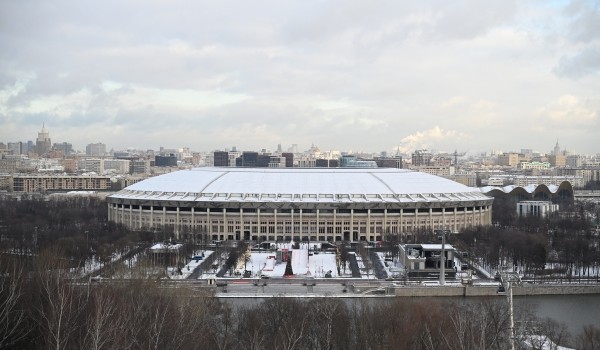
x=165 y=246
x=300 y=185
x=436 y=247
x=529 y=188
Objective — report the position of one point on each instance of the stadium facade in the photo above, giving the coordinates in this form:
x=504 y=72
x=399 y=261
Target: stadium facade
x=298 y=204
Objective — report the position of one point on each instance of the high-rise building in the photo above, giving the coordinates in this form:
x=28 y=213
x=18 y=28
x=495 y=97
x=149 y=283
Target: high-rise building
x=139 y=166
x=247 y=159
x=289 y=159
x=421 y=157
x=120 y=166
x=95 y=149
x=573 y=161
x=221 y=158
x=43 y=143
x=17 y=148
x=165 y=161
x=91 y=165
x=557 y=159
x=65 y=147
x=389 y=162
x=508 y=159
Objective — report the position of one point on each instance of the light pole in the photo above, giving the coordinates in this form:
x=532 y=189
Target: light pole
x=507 y=278
x=443 y=256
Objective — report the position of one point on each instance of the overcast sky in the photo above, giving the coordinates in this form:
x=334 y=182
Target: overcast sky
x=347 y=75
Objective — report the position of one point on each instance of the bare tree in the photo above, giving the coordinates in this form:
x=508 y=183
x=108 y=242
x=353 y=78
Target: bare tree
x=324 y=314
x=589 y=339
x=60 y=303
x=104 y=320
x=12 y=316
x=252 y=331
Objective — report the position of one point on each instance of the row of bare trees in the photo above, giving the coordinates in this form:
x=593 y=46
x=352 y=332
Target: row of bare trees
x=78 y=225
x=555 y=247
x=43 y=309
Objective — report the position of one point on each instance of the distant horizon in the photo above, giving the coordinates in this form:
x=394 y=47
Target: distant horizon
x=301 y=148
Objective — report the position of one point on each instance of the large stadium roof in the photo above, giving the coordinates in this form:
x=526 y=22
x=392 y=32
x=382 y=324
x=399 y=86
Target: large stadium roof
x=300 y=185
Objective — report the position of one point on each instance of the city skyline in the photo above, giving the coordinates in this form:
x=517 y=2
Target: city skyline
x=356 y=76
x=279 y=148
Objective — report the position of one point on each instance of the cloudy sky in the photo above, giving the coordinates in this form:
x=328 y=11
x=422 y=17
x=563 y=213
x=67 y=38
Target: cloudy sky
x=347 y=75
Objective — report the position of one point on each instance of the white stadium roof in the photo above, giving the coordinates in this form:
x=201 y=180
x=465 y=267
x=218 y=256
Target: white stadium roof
x=299 y=185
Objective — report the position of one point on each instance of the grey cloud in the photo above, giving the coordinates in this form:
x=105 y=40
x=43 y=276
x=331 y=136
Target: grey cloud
x=342 y=72
x=586 y=62
x=585 y=20
x=470 y=18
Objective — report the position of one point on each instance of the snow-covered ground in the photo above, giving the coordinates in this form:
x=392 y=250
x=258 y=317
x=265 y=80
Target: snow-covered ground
x=393 y=267
x=304 y=264
x=542 y=342
x=188 y=269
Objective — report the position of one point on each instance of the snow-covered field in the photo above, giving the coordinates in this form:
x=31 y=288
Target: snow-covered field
x=304 y=264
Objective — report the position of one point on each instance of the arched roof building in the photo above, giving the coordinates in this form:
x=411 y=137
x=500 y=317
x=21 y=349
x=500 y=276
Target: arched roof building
x=507 y=197
x=557 y=194
x=300 y=204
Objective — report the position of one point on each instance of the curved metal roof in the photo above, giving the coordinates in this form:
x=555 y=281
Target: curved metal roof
x=300 y=185
x=531 y=189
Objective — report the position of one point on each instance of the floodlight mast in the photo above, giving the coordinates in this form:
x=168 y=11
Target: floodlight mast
x=507 y=277
x=443 y=256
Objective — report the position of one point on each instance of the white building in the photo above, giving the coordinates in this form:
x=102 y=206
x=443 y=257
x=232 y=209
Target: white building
x=576 y=181
x=95 y=149
x=119 y=166
x=536 y=208
x=91 y=165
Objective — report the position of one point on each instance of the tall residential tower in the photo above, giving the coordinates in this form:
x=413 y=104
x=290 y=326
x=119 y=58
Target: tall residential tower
x=43 y=143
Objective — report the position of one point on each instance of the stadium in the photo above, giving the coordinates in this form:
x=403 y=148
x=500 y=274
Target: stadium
x=316 y=204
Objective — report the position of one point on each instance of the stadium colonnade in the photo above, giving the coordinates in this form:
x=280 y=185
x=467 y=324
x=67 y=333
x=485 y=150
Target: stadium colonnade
x=298 y=204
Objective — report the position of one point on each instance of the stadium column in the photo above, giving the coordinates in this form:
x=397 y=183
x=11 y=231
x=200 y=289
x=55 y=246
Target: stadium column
x=151 y=215
x=140 y=214
x=443 y=216
x=292 y=221
x=122 y=214
x=225 y=224
x=384 y=225
x=209 y=224
x=335 y=225
x=401 y=221
x=130 y=216
x=164 y=217
x=275 y=230
x=318 y=226
x=300 y=226
x=431 y=219
x=474 y=216
x=177 y=224
x=352 y=221
x=258 y=228
x=455 y=227
x=193 y=226
x=242 y=225
x=368 y=222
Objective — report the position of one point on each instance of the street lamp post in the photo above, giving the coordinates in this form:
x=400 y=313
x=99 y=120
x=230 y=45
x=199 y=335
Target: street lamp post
x=508 y=277
x=443 y=256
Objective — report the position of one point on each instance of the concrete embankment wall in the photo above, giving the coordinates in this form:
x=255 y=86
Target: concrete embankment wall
x=471 y=291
